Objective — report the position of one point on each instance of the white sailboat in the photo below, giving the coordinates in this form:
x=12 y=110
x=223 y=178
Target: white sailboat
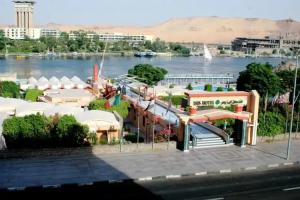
x=207 y=55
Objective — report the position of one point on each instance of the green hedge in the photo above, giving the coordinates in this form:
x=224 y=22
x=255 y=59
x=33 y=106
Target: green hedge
x=176 y=99
x=38 y=131
x=122 y=109
x=9 y=89
x=270 y=124
x=208 y=87
x=33 y=94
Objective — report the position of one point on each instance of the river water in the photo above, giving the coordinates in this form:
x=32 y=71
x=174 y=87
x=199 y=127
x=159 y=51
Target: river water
x=117 y=65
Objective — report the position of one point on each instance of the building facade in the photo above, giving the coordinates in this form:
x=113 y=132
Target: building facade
x=24 y=13
x=203 y=109
x=114 y=37
x=49 y=33
x=15 y=33
x=249 y=45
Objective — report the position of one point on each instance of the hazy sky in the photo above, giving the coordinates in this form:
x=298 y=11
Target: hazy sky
x=149 y=12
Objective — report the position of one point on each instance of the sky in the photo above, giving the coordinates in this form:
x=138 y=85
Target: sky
x=149 y=12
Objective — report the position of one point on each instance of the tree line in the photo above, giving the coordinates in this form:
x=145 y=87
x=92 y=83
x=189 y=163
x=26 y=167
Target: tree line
x=81 y=43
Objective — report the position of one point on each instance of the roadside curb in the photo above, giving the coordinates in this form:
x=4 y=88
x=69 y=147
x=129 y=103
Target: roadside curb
x=71 y=186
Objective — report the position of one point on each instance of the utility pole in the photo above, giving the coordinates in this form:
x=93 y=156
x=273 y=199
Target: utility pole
x=292 y=115
x=138 y=120
x=154 y=119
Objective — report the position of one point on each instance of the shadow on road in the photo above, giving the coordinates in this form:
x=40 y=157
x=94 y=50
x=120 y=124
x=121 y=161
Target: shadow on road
x=74 y=172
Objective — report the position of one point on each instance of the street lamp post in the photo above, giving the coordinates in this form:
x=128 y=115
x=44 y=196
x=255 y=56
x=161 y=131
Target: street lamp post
x=292 y=114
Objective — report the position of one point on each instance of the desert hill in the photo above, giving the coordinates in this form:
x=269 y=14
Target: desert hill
x=201 y=29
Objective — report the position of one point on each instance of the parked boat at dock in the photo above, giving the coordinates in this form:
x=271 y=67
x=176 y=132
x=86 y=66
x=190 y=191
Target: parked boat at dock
x=148 y=54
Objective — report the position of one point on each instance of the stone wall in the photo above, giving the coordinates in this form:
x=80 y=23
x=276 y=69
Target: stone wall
x=94 y=150
x=282 y=137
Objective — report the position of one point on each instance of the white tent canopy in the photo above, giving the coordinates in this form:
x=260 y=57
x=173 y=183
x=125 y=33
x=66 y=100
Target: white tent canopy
x=53 y=83
x=64 y=78
x=33 y=108
x=54 y=79
x=75 y=79
x=43 y=79
x=97 y=119
x=63 y=110
x=32 y=80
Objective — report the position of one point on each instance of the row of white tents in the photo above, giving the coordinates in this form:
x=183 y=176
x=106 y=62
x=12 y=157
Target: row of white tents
x=53 y=83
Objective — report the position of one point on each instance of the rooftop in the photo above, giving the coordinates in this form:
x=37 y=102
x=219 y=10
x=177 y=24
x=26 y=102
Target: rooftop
x=215 y=94
x=24 y=1
x=66 y=93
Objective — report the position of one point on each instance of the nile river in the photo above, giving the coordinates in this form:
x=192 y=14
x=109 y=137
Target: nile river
x=117 y=65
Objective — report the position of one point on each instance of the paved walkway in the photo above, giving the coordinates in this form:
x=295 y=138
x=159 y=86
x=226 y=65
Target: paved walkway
x=95 y=167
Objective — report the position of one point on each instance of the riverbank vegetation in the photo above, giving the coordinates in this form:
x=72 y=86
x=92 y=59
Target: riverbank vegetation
x=82 y=44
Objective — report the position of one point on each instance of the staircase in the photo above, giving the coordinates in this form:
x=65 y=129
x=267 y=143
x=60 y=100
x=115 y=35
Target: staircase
x=204 y=137
x=207 y=142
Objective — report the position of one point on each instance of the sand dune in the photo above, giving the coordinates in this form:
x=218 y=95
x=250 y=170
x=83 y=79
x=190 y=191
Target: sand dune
x=201 y=29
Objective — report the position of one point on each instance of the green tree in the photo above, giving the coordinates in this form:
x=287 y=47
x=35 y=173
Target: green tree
x=2 y=40
x=260 y=77
x=270 y=124
x=39 y=124
x=63 y=126
x=97 y=104
x=50 y=42
x=148 y=74
x=77 y=134
x=189 y=87
x=286 y=78
x=179 y=49
x=208 y=87
x=157 y=46
x=33 y=94
x=28 y=131
x=62 y=42
x=36 y=131
x=9 y=89
x=11 y=128
x=220 y=89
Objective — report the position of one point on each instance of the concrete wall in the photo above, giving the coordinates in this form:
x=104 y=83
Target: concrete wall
x=97 y=149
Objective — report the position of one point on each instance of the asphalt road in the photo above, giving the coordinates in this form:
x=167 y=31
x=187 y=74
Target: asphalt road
x=271 y=184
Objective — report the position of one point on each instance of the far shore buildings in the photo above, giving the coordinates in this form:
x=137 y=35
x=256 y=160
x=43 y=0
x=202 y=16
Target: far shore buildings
x=267 y=44
x=24 y=28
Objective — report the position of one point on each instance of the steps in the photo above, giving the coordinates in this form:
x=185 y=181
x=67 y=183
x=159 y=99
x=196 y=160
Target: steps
x=207 y=142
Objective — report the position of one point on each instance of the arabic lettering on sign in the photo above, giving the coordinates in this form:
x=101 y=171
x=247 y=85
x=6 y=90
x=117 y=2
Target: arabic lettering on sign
x=231 y=102
x=218 y=102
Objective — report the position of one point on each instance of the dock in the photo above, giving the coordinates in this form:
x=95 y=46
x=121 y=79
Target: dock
x=183 y=79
